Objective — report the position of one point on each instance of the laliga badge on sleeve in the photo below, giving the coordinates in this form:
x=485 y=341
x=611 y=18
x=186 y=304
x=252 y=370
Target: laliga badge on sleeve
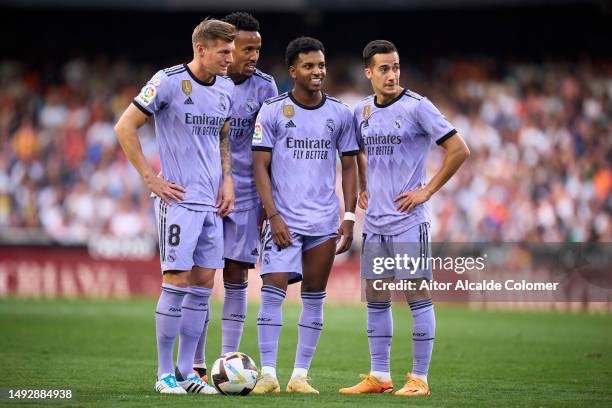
x=257 y=134
x=147 y=94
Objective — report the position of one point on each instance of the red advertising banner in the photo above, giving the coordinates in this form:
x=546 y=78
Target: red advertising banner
x=51 y=272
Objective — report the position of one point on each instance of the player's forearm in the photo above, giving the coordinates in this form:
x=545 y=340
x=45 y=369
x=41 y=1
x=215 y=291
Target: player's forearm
x=361 y=168
x=455 y=155
x=261 y=166
x=349 y=183
x=226 y=153
x=130 y=144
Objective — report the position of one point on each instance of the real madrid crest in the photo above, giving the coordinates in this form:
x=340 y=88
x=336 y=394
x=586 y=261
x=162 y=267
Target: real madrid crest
x=186 y=87
x=251 y=105
x=172 y=255
x=289 y=111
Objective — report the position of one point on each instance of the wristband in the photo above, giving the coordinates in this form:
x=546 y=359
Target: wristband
x=272 y=216
x=349 y=216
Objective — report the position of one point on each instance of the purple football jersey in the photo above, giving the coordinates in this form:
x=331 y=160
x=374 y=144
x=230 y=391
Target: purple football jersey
x=397 y=138
x=249 y=95
x=188 y=117
x=304 y=141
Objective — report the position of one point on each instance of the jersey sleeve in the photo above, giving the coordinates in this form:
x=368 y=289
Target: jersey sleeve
x=154 y=95
x=356 y=118
x=271 y=90
x=434 y=123
x=264 y=133
x=231 y=96
x=347 y=138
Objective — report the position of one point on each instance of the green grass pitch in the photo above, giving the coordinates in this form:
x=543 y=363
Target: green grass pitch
x=105 y=352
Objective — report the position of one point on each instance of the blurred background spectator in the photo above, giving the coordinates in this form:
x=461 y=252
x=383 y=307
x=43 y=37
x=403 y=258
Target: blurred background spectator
x=533 y=105
x=540 y=137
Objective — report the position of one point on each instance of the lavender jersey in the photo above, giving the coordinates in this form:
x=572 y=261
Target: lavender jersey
x=397 y=138
x=303 y=141
x=188 y=117
x=249 y=95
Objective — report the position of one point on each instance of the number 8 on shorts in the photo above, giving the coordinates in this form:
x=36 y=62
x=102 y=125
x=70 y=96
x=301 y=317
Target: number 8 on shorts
x=188 y=237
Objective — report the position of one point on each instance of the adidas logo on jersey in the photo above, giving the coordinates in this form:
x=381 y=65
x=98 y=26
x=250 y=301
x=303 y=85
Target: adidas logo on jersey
x=290 y=124
x=188 y=101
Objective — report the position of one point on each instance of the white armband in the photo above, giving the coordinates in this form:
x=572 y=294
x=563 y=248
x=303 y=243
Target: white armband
x=349 y=216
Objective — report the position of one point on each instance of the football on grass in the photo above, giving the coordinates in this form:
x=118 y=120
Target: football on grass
x=234 y=373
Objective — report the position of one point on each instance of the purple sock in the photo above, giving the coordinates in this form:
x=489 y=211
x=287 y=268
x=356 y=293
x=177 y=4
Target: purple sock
x=195 y=309
x=380 y=334
x=167 y=320
x=309 y=328
x=423 y=333
x=200 y=353
x=269 y=323
x=234 y=314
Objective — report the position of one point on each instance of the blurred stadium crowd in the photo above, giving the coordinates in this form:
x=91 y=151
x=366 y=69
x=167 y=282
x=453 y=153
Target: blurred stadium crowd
x=540 y=136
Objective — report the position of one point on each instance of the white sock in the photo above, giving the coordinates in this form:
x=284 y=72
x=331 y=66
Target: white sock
x=203 y=365
x=381 y=375
x=420 y=377
x=299 y=372
x=269 y=371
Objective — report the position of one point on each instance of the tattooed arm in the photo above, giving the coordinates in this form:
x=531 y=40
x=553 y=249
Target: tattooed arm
x=225 y=200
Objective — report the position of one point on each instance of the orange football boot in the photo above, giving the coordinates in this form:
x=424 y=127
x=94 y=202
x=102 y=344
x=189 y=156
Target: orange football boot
x=368 y=385
x=413 y=387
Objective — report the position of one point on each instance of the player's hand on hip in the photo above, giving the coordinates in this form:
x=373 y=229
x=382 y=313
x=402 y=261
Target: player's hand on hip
x=280 y=231
x=345 y=236
x=362 y=201
x=260 y=224
x=226 y=198
x=410 y=199
x=165 y=190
